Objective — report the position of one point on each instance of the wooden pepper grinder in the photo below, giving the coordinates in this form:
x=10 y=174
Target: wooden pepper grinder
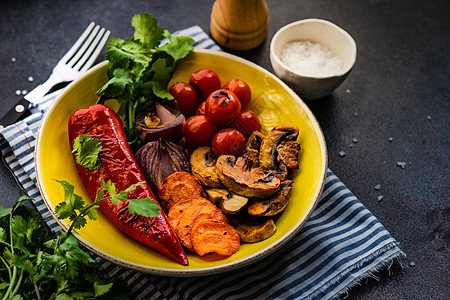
x=239 y=24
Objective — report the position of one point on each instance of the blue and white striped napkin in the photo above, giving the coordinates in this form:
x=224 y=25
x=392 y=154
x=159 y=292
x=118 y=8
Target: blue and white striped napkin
x=341 y=244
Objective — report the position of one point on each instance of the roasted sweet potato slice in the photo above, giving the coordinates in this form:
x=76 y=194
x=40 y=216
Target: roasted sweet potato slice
x=177 y=210
x=195 y=213
x=179 y=186
x=252 y=233
x=211 y=236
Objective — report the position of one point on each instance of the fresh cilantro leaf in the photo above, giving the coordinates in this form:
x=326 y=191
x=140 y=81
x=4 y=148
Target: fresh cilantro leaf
x=92 y=213
x=118 y=85
x=73 y=252
x=18 y=229
x=133 y=187
x=110 y=188
x=87 y=149
x=4 y=211
x=78 y=223
x=178 y=46
x=146 y=207
x=116 y=56
x=101 y=289
x=162 y=75
x=3 y=285
x=147 y=30
x=3 y=235
x=71 y=202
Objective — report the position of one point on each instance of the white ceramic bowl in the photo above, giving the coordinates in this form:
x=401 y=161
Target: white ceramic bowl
x=319 y=31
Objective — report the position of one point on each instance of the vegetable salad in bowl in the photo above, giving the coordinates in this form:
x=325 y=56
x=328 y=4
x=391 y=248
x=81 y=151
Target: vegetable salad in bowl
x=228 y=162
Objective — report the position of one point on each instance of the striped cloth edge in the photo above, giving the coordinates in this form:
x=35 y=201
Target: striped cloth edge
x=341 y=244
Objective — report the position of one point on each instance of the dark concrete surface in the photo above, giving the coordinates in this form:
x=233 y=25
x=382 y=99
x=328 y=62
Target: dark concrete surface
x=399 y=88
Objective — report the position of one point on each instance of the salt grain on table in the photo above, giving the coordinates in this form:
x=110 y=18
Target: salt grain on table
x=310 y=58
x=401 y=164
x=342 y=154
x=380 y=198
x=18 y=92
x=377 y=187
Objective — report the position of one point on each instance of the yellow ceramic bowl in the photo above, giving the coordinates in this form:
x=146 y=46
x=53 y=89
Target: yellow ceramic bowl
x=272 y=100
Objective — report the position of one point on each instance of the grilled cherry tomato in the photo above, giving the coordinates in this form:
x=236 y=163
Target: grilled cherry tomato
x=223 y=106
x=228 y=141
x=206 y=81
x=187 y=97
x=241 y=89
x=247 y=122
x=201 y=109
x=199 y=130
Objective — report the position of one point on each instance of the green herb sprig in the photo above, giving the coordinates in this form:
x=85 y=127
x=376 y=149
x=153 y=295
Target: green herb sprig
x=37 y=264
x=78 y=212
x=140 y=68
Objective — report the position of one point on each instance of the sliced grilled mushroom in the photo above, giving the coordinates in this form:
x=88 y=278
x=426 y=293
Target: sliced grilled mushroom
x=268 y=154
x=240 y=177
x=255 y=140
x=251 y=151
x=229 y=202
x=203 y=167
x=252 y=233
x=288 y=153
x=252 y=156
x=274 y=205
x=215 y=195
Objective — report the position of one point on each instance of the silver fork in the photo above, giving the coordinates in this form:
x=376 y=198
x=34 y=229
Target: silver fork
x=72 y=65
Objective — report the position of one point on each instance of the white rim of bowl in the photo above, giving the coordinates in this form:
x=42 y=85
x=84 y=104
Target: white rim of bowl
x=204 y=271
x=314 y=20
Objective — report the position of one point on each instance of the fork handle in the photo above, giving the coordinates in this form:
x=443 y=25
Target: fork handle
x=42 y=89
x=18 y=111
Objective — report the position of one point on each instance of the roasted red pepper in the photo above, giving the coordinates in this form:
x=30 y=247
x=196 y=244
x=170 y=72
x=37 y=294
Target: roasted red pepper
x=119 y=166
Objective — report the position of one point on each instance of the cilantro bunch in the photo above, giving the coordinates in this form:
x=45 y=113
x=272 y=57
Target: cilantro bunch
x=141 y=67
x=35 y=263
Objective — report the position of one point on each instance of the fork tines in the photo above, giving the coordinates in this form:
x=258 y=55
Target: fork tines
x=86 y=49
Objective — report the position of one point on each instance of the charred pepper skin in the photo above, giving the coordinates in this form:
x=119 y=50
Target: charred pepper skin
x=120 y=166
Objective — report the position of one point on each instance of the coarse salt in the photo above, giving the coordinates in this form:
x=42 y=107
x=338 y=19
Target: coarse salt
x=310 y=58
